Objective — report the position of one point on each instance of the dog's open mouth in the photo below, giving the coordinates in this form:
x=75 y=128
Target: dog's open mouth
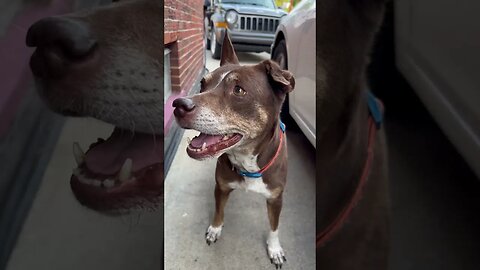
x=205 y=145
x=122 y=172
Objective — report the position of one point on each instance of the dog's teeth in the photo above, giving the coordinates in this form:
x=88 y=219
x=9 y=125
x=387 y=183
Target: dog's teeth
x=108 y=183
x=189 y=140
x=78 y=153
x=84 y=180
x=204 y=146
x=96 y=183
x=125 y=171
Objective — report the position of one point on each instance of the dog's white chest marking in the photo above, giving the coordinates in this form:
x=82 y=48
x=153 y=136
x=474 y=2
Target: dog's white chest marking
x=249 y=163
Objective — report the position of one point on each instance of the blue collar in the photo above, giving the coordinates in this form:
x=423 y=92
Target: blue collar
x=374 y=107
x=259 y=173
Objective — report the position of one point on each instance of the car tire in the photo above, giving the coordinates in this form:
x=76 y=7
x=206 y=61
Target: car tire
x=279 y=55
x=215 y=47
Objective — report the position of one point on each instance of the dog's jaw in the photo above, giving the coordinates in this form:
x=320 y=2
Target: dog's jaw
x=131 y=178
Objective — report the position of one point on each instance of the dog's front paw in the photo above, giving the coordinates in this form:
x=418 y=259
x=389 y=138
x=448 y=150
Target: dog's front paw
x=275 y=251
x=277 y=256
x=213 y=233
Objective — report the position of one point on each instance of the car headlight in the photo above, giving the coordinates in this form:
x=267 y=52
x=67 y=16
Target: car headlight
x=231 y=16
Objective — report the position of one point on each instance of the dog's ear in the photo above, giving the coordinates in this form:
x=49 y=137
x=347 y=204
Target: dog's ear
x=228 y=53
x=281 y=79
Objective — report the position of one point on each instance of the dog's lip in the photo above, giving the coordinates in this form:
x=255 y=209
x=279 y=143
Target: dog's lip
x=72 y=113
x=226 y=141
x=144 y=191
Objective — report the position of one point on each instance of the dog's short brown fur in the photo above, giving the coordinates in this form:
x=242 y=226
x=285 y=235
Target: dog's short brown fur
x=345 y=33
x=218 y=109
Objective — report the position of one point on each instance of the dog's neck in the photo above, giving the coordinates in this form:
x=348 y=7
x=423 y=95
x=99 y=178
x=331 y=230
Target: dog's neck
x=257 y=153
x=346 y=29
x=340 y=157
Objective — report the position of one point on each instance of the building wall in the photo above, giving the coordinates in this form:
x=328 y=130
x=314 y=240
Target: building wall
x=184 y=37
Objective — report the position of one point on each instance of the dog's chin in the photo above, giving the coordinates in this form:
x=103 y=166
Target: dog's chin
x=205 y=146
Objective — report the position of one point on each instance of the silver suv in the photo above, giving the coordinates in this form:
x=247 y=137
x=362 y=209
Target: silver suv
x=250 y=23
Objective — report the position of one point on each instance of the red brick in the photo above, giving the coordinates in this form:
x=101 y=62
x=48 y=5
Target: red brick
x=184 y=35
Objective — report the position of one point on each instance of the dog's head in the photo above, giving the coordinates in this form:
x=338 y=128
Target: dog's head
x=107 y=63
x=237 y=107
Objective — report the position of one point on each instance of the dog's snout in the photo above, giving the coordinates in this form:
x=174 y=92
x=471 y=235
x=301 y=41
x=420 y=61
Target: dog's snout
x=183 y=106
x=59 y=41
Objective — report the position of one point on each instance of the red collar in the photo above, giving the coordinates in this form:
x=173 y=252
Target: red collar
x=338 y=222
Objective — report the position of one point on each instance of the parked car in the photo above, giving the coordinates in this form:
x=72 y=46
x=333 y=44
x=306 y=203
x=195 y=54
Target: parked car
x=440 y=60
x=250 y=23
x=294 y=49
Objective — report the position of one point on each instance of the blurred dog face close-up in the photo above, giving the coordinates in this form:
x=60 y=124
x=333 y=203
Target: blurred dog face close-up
x=107 y=63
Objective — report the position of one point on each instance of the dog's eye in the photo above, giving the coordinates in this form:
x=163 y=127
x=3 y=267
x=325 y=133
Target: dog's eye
x=238 y=91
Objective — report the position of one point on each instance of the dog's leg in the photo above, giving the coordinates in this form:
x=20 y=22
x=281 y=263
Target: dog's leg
x=215 y=229
x=275 y=251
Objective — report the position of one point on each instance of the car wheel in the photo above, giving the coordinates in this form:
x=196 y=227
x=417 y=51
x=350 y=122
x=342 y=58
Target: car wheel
x=215 y=47
x=207 y=40
x=279 y=55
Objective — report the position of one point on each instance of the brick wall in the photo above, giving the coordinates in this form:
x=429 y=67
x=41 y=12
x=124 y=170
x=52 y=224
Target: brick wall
x=184 y=37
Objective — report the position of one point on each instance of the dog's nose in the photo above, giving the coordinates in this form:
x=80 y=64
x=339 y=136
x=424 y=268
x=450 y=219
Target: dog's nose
x=183 y=106
x=60 y=42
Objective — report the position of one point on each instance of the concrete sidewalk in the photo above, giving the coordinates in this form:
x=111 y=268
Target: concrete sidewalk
x=189 y=206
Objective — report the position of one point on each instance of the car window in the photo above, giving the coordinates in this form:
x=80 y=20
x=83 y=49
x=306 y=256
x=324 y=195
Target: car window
x=263 y=3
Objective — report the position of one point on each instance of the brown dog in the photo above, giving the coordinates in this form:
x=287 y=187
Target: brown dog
x=107 y=63
x=237 y=113
x=345 y=33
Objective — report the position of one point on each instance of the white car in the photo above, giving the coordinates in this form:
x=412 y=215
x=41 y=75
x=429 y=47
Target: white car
x=294 y=49
x=439 y=58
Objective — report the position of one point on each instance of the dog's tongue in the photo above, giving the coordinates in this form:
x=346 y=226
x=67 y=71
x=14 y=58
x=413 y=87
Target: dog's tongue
x=108 y=157
x=198 y=141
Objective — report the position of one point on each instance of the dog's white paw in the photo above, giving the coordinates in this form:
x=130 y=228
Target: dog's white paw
x=275 y=251
x=213 y=233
